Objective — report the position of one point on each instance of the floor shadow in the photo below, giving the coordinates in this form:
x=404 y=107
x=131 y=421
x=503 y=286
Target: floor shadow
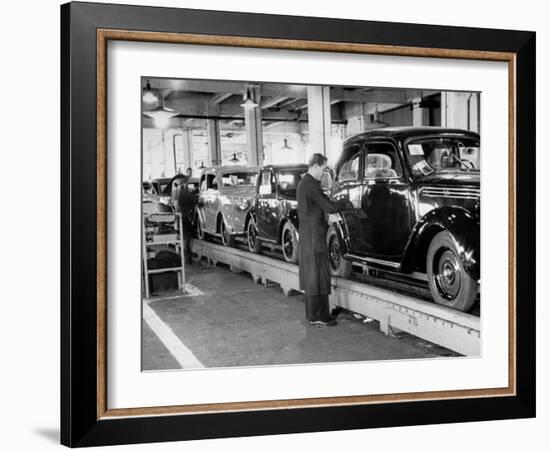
x=50 y=434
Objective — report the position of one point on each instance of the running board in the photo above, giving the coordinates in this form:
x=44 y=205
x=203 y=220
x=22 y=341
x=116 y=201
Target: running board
x=367 y=260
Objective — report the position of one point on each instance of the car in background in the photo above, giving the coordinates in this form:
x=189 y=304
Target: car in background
x=155 y=196
x=193 y=184
x=413 y=205
x=225 y=197
x=273 y=217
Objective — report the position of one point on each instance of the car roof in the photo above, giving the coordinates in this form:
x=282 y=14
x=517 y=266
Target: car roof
x=285 y=166
x=222 y=169
x=407 y=132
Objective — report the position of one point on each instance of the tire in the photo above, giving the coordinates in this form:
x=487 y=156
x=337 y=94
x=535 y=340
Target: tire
x=339 y=267
x=450 y=285
x=289 y=243
x=254 y=244
x=227 y=239
x=198 y=228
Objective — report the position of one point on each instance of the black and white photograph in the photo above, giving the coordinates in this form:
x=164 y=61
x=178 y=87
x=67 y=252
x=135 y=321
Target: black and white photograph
x=302 y=224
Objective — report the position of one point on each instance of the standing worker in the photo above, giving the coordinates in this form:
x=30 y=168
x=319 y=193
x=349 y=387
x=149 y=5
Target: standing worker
x=314 y=269
x=184 y=203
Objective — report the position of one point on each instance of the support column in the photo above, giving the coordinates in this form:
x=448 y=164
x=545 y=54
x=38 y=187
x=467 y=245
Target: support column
x=420 y=116
x=318 y=102
x=187 y=141
x=214 y=147
x=460 y=110
x=253 y=128
x=473 y=115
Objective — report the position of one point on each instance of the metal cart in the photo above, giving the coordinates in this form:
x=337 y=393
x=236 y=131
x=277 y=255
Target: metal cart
x=162 y=230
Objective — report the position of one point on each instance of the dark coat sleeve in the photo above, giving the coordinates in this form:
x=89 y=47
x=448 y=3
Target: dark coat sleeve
x=324 y=202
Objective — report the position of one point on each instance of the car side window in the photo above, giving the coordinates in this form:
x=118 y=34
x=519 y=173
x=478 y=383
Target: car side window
x=211 y=182
x=382 y=161
x=267 y=184
x=349 y=170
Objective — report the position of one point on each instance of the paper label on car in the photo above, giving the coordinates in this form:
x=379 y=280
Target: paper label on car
x=416 y=150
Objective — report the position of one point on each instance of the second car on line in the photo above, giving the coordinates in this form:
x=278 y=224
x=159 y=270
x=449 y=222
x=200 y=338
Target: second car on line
x=273 y=217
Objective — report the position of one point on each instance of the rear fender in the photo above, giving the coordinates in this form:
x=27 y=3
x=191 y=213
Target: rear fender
x=293 y=219
x=464 y=228
x=199 y=214
x=336 y=221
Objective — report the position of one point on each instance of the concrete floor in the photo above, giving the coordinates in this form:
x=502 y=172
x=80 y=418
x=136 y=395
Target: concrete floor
x=239 y=323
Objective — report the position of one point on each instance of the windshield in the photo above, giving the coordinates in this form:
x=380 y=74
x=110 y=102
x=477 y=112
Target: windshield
x=443 y=154
x=159 y=187
x=288 y=179
x=235 y=179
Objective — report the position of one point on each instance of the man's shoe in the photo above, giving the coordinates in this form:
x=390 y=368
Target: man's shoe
x=322 y=324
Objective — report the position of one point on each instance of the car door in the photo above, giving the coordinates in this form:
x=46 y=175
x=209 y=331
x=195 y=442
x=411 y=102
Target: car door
x=349 y=187
x=386 y=203
x=210 y=201
x=266 y=214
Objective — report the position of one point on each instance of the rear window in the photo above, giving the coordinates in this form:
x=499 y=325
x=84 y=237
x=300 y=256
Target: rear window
x=236 y=179
x=348 y=165
x=288 y=179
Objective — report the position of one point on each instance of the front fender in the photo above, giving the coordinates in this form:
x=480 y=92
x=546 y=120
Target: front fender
x=464 y=228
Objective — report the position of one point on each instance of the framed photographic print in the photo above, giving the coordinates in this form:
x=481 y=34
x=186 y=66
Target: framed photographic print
x=278 y=224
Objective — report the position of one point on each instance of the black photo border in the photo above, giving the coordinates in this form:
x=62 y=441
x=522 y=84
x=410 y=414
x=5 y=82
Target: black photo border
x=83 y=423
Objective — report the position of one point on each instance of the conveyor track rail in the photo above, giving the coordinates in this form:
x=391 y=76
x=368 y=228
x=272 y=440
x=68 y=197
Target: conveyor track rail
x=451 y=329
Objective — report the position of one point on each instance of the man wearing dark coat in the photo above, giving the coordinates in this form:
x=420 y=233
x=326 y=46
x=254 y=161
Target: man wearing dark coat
x=184 y=203
x=314 y=269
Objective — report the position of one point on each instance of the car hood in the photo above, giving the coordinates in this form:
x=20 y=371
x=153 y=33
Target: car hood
x=470 y=179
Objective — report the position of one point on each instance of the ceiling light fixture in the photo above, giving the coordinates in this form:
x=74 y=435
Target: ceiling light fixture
x=234 y=160
x=161 y=115
x=148 y=94
x=286 y=146
x=285 y=140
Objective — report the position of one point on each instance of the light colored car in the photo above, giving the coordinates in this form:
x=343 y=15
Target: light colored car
x=225 y=197
x=155 y=198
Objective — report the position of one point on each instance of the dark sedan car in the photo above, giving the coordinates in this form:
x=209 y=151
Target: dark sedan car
x=413 y=197
x=273 y=216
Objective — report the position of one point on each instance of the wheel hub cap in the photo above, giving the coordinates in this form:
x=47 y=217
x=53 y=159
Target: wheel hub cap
x=448 y=276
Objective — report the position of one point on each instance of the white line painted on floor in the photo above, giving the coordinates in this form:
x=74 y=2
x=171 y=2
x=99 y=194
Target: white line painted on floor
x=190 y=291
x=184 y=356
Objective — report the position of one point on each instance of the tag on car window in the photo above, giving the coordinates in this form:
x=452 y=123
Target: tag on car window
x=416 y=150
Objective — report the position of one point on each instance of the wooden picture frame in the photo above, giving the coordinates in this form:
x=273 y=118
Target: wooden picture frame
x=85 y=417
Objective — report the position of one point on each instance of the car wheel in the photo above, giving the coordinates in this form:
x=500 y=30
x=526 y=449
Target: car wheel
x=289 y=243
x=254 y=244
x=227 y=239
x=198 y=228
x=339 y=266
x=450 y=285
